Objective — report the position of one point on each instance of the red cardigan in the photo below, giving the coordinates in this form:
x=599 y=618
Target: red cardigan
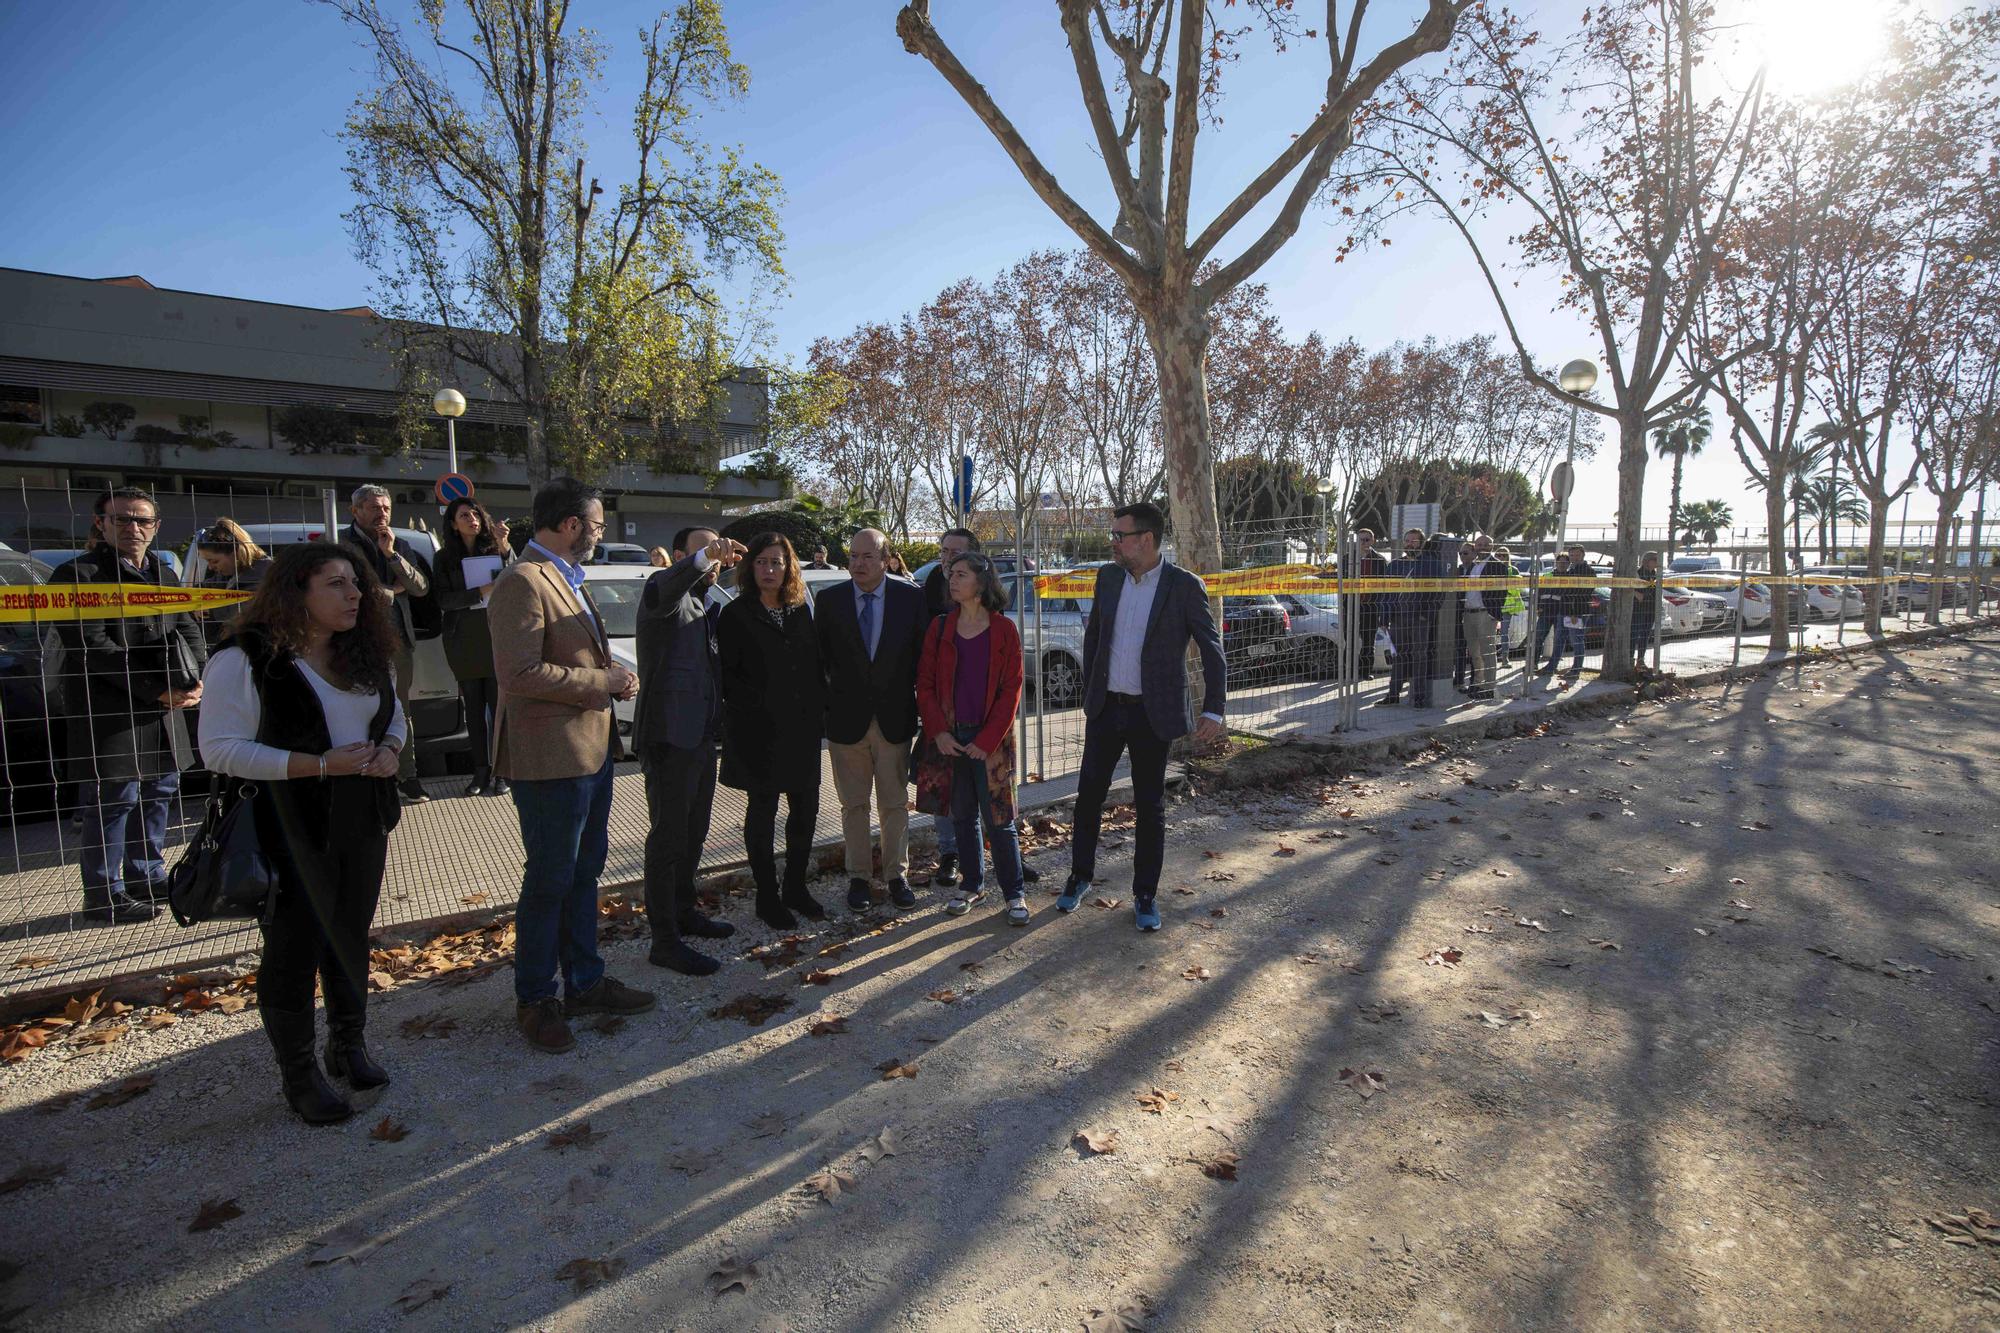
x=937 y=673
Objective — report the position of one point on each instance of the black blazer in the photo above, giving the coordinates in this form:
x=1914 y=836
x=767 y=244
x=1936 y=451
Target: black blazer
x=468 y=643
x=1180 y=615
x=680 y=702
x=416 y=609
x=860 y=691
x=115 y=671
x=773 y=697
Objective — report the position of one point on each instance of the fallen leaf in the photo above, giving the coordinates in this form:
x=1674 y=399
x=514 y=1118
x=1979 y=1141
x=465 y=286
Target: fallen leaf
x=1156 y=1101
x=829 y=1027
x=30 y=1173
x=213 y=1213
x=1311 y=958
x=429 y=1025
x=1105 y=903
x=892 y=1069
x=232 y=1004
x=1758 y=825
x=1533 y=925
x=579 y=1135
x=1195 y=973
x=830 y=1184
x=732 y=1274
x=1285 y=849
x=1975 y=1226
x=154 y=1022
x=389 y=1131
x=1364 y=1081
x=752 y=1008
x=1222 y=1166
x=1610 y=945
x=1676 y=870
x=945 y=996
x=103 y=1036
x=35 y=960
x=885 y=1144
x=124 y=1091
x=587 y=1273
x=608 y=1024
x=819 y=979
x=421 y=1293
x=1699 y=931
x=974 y=966
x=770 y=1124
x=1096 y=1140
x=1739 y=904
x=1479 y=930
x=1738 y=880
x=82 y=1008
x=1444 y=958
x=1217 y=876
x=1218 y=911
x=1124 y=1317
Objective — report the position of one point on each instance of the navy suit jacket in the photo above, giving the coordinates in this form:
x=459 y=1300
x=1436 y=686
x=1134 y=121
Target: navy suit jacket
x=680 y=702
x=858 y=689
x=1180 y=615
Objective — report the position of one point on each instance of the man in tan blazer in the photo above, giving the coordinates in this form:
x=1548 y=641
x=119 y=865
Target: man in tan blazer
x=555 y=740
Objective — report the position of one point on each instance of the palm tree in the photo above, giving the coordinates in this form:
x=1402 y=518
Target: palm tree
x=1705 y=519
x=1829 y=500
x=1680 y=436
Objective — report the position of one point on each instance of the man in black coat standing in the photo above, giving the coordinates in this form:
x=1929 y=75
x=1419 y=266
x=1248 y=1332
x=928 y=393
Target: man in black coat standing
x=1145 y=613
x=675 y=724
x=124 y=679
x=871 y=632
x=406 y=581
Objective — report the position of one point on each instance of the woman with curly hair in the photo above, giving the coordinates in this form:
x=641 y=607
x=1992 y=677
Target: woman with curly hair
x=471 y=553
x=773 y=714
x=301 y=708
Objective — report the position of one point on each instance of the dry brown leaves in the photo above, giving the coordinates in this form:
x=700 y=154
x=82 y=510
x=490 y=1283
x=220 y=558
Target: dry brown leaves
x=1096 y=1140
x=1285 y=849
x=421 y=1293
x=817 y=978
x=587 y=1273
x=829 y=1027
x=1610 y=946
x=1510 y=1017
x=753 y=1008
x=579 y=1135
x=1220 y=1166
x=429 y=1025
x=388 y=1130
x=829 y=1184
x=732 y=1274
x=33 y=960
x=121 y=1092
x=894 y=1069
x=781 y=952
x=1367 y=1082
x=1104 y=903
x=1156 y=1101
x=885 y=1144
x=1975 y=1226
x=1444 y=958
x=1124 y=1317
x=945 y=995
x=213 y=1213
x=1195 y=973
x=1216 y=876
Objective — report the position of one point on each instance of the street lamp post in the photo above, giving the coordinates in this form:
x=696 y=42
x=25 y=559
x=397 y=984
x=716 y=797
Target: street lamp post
x=450 y=404
x=1578 y=377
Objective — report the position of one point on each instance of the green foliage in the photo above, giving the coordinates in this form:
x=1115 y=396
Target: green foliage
x=151 y=434
x=1705 y=520
x=799 y=528
x=315 y=430
x=1257 y=490
x=16 y=436
x=917 y=554
x=108 y=419
x=66 y=425
x=841 y=520
x=765 y=465
x=1470 y=495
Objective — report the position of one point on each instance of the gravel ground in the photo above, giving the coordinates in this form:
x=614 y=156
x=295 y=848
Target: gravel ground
x=1741 y=1117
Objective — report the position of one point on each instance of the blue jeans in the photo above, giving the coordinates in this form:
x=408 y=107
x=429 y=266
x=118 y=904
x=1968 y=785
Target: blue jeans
x=124 y=827
x=972 y=804
x=1571 y=639
x=565 y=829
x=947 y=836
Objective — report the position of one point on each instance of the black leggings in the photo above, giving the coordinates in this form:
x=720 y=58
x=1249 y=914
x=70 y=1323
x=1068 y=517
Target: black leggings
x=298 y=945
x=481 y=695
x=760 y=829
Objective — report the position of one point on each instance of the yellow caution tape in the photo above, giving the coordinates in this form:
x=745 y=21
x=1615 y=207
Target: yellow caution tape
x=1298 y=579
x=107 y=601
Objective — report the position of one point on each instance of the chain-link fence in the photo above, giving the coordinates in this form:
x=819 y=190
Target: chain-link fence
x=104 y=783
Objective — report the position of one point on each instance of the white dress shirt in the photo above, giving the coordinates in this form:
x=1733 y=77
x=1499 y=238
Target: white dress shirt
x=231 y=709
x=1128 y=628
x=1475 y=600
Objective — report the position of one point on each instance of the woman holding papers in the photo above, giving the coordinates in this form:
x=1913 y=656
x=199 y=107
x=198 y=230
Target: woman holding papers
x=471 y=554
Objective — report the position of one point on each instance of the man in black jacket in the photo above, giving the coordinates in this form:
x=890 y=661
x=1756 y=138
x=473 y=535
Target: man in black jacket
x=406 y=582
x=675 y=724
x=1145 y=613
x=124 y=679
x=871 y=632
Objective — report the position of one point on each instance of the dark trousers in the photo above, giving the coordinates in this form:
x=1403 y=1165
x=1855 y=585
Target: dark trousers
x=124 y=828
x=1546 y=625
x=680 y=797
x=1119 y=726
x=565 y=830
x=760 y=834
x=300 y=944
x=1415 y=634
x=406 y=675
x=972 y=807
x=1368 y=618
x=481 y=695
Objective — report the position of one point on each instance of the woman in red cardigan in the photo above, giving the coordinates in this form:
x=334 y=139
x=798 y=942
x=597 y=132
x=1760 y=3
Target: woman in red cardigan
x=968 y=689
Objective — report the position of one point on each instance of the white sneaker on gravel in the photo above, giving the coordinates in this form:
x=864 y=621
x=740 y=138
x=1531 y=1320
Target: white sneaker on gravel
x=956 y=906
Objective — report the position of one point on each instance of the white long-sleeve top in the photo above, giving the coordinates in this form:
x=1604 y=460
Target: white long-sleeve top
x=231 y=708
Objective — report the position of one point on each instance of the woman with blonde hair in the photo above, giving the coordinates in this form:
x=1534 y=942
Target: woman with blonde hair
x=773 y=714
x=234 y=562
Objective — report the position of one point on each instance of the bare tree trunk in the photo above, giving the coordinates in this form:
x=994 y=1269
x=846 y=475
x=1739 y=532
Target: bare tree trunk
x=1939 y=541
x=1774 y=537
x=1625 y=557
x=1674 y=509
x=1878 y=536
x=534 y=401
x=1180 y=346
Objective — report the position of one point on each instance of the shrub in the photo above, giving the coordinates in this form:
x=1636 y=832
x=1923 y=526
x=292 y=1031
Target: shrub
x=315 y=430
x=151 y=434
x=108 y=419
x=803 y=533
x=14 y=436
x=69 y=427
x=916 y=554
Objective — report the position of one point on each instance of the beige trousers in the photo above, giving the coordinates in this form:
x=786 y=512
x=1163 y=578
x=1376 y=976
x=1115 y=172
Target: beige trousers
x=872 y=764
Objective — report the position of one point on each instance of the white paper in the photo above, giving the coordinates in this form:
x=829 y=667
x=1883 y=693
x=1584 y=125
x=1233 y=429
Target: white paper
x=481 y=570
x=1572 y=622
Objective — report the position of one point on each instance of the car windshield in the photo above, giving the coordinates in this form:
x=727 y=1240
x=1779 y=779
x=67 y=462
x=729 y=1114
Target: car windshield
x=618 y=602
x=1319 y=601
x=1250 y=604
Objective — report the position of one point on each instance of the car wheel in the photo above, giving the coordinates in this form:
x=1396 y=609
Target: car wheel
x=1325 y=659
x=1062 y=681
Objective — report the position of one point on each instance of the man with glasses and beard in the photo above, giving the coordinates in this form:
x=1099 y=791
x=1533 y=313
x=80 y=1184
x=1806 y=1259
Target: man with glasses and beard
x=1145 y=613
x=405 y=580
x=124 y=679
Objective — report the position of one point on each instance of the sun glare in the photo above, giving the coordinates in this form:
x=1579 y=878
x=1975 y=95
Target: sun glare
x=1809 y=48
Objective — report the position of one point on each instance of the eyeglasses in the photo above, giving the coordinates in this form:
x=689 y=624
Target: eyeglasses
x=133 y=520
x=1120 y=534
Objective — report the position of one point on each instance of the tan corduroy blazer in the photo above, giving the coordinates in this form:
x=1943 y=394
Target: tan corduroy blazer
x=553 y=668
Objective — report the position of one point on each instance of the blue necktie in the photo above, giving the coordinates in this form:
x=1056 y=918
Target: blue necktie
x=868 y=623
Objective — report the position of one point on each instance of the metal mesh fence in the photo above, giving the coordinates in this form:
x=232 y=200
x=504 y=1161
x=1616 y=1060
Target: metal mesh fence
x=97 y=807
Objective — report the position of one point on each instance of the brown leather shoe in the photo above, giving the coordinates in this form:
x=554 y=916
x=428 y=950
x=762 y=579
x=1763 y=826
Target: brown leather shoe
x=610 y=996
x=542 y=1024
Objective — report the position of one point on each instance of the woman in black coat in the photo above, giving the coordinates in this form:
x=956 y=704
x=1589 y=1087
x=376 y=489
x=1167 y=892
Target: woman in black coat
x=469 y=531
x=773 y=714
x=301 y=710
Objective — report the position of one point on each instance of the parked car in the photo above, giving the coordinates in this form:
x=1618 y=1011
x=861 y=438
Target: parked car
x=1254 y=631
x=1898 y=597
x=31 y=716
x=620 y=553
x=1686 y=612
x=1314 y=644
x=1755 y=598
x=1694 y=564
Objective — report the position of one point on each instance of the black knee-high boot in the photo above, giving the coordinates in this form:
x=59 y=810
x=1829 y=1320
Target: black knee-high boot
x=306 y=1092
x=346 y=1016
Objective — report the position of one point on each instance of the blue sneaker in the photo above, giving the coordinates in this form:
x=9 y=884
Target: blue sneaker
x=1072 y=893
x=1145 y=914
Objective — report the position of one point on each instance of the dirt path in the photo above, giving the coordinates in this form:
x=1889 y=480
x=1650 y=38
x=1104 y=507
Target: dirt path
x=1739 y=1118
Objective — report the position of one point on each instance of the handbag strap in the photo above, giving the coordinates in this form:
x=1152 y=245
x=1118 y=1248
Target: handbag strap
x=385 y=712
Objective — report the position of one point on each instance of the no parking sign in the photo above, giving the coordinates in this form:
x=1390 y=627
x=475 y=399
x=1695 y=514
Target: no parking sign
x=453 y=486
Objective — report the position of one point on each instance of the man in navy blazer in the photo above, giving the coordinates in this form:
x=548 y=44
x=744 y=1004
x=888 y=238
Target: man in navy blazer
x=674 y=728
x=871 y=632
x=1142 y=619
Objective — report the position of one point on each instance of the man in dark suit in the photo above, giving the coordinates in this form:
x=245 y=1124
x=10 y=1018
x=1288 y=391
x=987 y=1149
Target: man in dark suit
x=406 y=582
x=1368 y=564
x=674 y=729
x=1145 y=613
x=125 y=679
x=871 y=632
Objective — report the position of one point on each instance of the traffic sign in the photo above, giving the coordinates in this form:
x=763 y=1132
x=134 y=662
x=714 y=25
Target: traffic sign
x=453 y=486
x=961 y=488
x=1562 y=480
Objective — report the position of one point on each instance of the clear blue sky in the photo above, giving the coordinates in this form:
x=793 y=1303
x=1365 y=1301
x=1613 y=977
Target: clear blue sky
x=194 y=143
